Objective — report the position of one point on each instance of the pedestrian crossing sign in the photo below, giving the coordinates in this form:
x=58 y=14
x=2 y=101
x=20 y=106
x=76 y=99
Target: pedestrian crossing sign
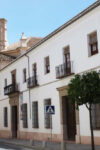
x=49 y=109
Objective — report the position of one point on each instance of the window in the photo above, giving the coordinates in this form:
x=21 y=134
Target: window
x=96 y=116
x=13 y=75
x=47 y=116
x=67 y=59
x=5 y=82
x=34 y=69
x=35 y=114
x=47 y=65
x=24 y=75
x=5 y=117
x=24 y=115
x=93 y=44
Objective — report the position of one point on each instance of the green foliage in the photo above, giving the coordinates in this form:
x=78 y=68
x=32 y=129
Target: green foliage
x=84 y=89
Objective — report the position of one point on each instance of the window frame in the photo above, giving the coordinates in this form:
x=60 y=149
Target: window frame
x=5 y=117
x=34 y=69
x=24 y=75
x=47 y=64
x=92 y=36
x=94 y=117
x=5 y=82
x=24 y=115
x=13 y=76
x=47 y=117
x=35 y=113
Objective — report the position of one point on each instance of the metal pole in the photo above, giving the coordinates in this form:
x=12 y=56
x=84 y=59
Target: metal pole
x=63 y=145
x=29 y=77
x=51 y=125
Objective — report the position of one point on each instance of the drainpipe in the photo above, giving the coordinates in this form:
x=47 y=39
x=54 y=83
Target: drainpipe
x=29 y=88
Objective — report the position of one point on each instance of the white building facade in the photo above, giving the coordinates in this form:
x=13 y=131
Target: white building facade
x=40 y=77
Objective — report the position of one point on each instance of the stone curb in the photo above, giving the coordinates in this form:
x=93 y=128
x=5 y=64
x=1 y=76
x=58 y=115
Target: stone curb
x=26 y=146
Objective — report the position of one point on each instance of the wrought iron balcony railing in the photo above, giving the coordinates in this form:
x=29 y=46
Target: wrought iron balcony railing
x=32 y=82
x=10 y=89
x=64 y=70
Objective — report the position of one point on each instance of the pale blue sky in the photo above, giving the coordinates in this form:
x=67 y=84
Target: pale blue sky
x=38 y=17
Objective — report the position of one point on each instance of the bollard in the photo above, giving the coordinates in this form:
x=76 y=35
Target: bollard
x=63 y=145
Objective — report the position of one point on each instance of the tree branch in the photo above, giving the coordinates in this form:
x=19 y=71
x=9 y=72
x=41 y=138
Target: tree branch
x=87 y=106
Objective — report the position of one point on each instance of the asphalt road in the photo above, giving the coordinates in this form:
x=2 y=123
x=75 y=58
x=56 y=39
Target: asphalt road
x=4 y=146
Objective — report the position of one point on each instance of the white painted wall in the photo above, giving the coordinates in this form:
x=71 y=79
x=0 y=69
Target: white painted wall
x=75 y=36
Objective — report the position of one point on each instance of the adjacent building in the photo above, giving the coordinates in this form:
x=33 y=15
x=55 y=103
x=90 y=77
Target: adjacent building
x=40 y=77
x=8 y=52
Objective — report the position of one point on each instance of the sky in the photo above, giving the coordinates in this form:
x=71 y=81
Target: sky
x=38 y=17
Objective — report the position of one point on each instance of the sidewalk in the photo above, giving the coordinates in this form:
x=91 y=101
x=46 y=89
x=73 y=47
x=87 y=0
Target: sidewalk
x=49 y=146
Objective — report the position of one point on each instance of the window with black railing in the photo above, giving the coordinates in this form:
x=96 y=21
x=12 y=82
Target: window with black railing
x=10 y=89
x=64 y=70
x=32 y=81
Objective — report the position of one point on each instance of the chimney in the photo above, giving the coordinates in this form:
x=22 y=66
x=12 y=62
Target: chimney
x=23 y=40
x=3 y=34
x=23 y=43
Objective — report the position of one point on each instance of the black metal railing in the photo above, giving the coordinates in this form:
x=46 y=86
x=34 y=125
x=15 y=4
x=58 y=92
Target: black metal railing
x=10 y=89
x=32 y=82
x=64 y=70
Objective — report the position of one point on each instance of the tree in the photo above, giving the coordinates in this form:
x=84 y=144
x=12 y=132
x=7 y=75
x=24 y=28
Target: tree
x=85 y=89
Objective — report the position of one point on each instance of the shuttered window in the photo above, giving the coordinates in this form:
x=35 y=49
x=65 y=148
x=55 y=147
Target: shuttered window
x=47 y=116
x=35 y=114
x=96 y=116
x=5 y=117
x=24 y=114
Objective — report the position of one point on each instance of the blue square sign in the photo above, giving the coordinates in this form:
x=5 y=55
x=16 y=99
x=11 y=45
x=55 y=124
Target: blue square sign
x=49 y=109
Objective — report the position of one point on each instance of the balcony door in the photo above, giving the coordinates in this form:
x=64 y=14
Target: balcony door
x=67 y=60
x=13 y=75
x=35 y=73
x=34 y=69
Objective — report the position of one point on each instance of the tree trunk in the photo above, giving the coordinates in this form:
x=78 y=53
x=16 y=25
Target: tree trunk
x=91 y=128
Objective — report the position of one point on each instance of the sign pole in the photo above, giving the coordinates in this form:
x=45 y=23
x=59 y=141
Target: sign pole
x=51 y=125
x=50 y=110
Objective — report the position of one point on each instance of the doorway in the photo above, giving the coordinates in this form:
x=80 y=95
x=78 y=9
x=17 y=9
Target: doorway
x=14 y=122
x=69 y=121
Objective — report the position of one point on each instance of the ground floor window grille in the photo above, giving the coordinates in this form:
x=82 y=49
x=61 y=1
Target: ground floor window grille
x=24 y=115
x=96 y=116
x=5 y=117
x=47 y=116
x=35 y=114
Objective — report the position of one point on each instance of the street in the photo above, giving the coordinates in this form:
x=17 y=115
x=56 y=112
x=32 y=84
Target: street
x=4 y=146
